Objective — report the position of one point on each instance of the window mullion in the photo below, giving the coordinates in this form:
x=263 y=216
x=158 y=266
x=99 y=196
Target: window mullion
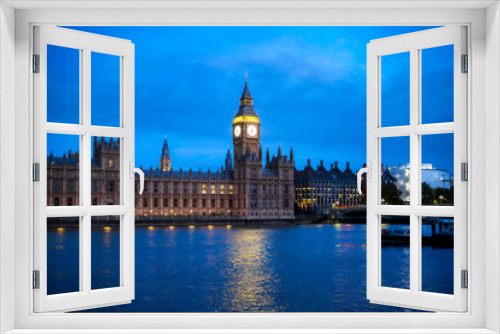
x=415 y=251
x=86 y=170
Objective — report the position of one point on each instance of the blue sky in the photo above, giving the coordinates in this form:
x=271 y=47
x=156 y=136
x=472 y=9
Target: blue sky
x=308 y=84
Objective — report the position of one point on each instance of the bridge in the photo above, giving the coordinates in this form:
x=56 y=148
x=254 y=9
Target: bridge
x=350 y=213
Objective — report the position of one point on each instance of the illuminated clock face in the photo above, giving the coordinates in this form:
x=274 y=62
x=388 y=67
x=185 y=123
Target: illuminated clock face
x=237 y=131
x=252 y=131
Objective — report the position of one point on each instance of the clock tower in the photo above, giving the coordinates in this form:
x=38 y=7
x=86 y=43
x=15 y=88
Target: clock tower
x=246 y=128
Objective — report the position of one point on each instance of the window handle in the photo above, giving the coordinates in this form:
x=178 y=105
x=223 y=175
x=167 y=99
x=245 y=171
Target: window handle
x=139 y=171
x=368 y=171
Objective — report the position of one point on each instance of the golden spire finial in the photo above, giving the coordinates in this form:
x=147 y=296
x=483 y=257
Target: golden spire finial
x=246 y=76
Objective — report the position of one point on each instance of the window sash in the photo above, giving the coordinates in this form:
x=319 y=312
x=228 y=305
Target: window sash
x=86 y=297
x=413 y=43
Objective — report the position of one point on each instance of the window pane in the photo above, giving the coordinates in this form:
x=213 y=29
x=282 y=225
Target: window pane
x=63 y=255
x=437 y=254
x=395 y=89
x=395 y=252
x=105 y=90
x=395 y=178
x=63 y=85
x=437 y=84
x=63 y=170
x=105 y=252
x=437 y=169
x=105 y=183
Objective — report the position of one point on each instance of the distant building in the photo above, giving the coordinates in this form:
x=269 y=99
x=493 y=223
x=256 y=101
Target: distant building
x=435 y=178
x=321 y=190
x=246 y=189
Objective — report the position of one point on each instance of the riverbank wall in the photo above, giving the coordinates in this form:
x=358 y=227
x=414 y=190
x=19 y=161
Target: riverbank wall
x=194 y=221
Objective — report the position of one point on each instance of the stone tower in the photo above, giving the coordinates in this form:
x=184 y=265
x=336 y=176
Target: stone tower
x=166 y=163
x=247 y=154
x=246 y=128
x=107 y=152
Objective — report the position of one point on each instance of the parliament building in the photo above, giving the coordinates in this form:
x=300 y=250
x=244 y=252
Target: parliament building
x=248 y=185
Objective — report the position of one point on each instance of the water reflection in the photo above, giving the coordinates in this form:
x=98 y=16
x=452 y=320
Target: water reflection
x=252 y=281
x=256 y=269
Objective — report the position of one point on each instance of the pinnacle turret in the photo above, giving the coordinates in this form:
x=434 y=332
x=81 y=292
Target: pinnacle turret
x=165 y=152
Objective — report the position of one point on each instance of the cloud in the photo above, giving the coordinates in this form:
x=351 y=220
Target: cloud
x=293 y=56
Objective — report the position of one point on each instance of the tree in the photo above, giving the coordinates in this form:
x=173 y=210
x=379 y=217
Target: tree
x=391 y=194
x=427 y=194
x=446 y=193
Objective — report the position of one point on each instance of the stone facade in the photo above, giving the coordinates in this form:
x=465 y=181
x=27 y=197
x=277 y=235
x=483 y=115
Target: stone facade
x=321 y=190
x=252 y=188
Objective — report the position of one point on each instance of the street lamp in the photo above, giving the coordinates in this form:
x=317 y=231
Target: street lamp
x=441 y=197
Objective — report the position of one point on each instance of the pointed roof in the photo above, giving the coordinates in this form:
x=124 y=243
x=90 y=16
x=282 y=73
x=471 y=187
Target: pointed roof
x=246 y=102
x=164 y=152
x=246 y=92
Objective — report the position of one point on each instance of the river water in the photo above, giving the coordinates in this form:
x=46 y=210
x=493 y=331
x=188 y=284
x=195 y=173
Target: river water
x=303 y=268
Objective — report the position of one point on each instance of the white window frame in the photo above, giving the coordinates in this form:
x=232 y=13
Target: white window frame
x=85 y=43
x=414 y=43
x=484 y=83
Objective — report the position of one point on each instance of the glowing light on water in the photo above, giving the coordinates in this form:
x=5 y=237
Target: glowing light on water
x=60 y=230
x=151 y=228
x=191 y=227
x=107 y=228
x=171 y=227
x=229 y=227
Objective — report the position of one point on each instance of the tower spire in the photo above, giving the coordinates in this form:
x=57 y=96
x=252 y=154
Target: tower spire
x=246 y=101
x=229 y=160
x=165 y=152
x=165 y=161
